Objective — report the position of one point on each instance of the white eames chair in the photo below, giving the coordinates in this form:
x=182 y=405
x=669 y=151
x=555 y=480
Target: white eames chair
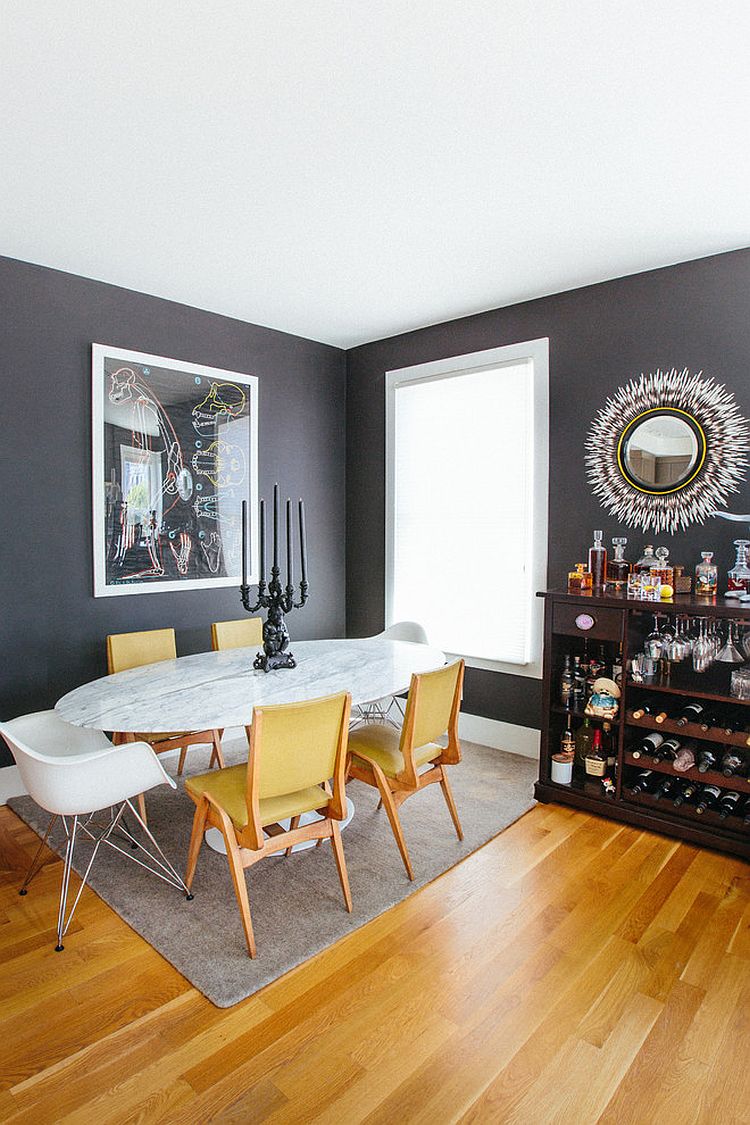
x=74 y=773
x=390 y=709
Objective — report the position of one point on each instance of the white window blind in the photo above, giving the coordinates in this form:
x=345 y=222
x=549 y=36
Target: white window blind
x=461 y=493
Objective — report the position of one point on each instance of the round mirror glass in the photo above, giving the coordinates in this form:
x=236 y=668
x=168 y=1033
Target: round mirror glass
x=662 y=451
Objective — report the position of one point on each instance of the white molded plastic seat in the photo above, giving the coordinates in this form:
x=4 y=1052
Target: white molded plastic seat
x=389 y=710
x=72 y=773
x=405 y=631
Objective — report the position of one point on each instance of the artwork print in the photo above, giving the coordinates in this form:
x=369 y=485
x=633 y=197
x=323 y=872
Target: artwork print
x=174 y=455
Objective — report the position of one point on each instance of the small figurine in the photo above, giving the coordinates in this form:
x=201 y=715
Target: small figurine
x=603 y=703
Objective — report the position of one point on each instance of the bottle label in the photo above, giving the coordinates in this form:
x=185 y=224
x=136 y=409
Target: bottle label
x=596 y=767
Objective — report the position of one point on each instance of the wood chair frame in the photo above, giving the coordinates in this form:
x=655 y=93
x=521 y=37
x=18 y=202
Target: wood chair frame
x=247 y=846
x=395 y=790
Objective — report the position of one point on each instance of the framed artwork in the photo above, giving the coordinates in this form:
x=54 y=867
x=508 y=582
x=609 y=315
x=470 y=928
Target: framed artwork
x=175 y=452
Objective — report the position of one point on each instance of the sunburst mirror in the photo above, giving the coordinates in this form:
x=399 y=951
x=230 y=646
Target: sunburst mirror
x=666 y=450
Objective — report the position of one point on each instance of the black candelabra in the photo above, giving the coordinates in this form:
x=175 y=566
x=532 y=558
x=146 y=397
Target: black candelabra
x=276 y=599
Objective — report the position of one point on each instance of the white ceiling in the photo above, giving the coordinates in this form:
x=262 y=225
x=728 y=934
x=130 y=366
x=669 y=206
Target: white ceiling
x=348 y=170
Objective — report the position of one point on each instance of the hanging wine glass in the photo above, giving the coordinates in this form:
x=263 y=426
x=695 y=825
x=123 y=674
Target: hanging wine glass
x=677 y=650
x=746 y=641
x=702 y=648
x=654 y=643
x=729 y=653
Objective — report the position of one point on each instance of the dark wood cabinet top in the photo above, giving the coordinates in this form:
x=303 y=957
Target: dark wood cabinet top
x=718 y=606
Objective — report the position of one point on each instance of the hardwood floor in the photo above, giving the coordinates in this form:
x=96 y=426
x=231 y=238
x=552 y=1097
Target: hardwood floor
x=572 y=970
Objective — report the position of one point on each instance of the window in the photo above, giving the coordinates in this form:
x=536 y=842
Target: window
x=466 y=495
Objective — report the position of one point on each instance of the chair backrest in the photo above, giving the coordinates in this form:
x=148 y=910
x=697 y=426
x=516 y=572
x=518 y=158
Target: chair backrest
x=295 y=746
x=431 y=711
x=405 y=631
x=237 y=634
x=70 y=770
x=131 y=650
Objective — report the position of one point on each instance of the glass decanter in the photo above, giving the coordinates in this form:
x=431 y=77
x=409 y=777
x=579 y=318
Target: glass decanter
x=739 y=575
x=706 y=575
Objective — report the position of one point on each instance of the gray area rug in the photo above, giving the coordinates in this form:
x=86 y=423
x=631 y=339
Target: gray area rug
x=296 y=903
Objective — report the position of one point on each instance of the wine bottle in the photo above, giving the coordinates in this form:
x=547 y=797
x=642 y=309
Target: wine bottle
x=579 y=685
x=642 y=782
x=728 y=803
x=584 y=738
x=731 y=763
x=567 y=739
x=608 y=745
x=745 y=810
x=687 y=791
x=650 y=707
x=710 y=719
x=690 y=713
x=649 y=745
x=710 y=795
x=666 y=788
x=668 y=749
x=707 y=760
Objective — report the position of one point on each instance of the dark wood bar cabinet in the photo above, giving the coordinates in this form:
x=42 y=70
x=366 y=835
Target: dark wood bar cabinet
x=575 y=623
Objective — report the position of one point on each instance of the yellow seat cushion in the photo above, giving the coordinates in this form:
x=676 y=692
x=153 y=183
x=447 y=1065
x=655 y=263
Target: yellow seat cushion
x=227 y=787
x=381 y=744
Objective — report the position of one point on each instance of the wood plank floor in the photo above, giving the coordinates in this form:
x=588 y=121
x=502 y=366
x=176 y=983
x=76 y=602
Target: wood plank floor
x=572 y=970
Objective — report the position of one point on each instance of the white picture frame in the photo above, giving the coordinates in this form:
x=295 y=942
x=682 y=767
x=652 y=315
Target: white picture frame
x=174 y=454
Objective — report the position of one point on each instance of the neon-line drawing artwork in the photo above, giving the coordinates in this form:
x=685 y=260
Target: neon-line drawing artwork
x=175 y=453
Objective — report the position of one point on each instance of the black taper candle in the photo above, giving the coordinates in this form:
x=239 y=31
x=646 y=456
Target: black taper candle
x=302 y=540
x=276 y=526
x=289 y=558
x=262 y=576
x=244 y=542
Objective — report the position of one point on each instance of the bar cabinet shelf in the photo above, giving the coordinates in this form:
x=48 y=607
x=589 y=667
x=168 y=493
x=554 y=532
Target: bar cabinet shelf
x=618 y=624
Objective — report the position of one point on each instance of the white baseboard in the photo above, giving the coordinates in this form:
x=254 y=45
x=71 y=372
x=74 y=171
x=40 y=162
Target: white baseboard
x=10 y=784
x=501 y=736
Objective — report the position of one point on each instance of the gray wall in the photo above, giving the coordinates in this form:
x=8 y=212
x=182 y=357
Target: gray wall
x=693 y=315
x=52 y=629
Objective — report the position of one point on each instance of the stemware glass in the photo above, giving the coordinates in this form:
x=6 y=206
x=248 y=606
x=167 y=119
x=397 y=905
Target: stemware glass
x=703 y=647
x=746 y=641
x=655 y=643
x=729 y=653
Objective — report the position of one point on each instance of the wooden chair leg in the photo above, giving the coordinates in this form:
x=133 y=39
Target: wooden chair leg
x=216 y=753
x=142 y=807
x=181 y=763
x=338 y=852
x=293 y=823
x=379 y=805
x=196 y=840
x=390 y=807
x=238 y=878
x=448 y=794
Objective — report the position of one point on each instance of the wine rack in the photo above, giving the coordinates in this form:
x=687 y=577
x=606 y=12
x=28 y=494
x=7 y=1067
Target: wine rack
x=620 y=624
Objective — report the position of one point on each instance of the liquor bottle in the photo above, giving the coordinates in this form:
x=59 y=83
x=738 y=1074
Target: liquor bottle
x=690 y=713
x=618 y=568
x=596 y=763
x=729 y=803
x=739 y=576
x=706 y=576
x=707 y=760
x=617 y=667
x=666 y=788
x=710 y=795
x=668 y=749
x=579 y=685
x=584 y=739
x=608 y=745
x=649 y=745
x=579 y=580
x=566 y=683
x=646 y=561
x=567 y=739
x=598 y=562
x=688 y=790
x=732 y=763
x=665 y=571
x=643 y=782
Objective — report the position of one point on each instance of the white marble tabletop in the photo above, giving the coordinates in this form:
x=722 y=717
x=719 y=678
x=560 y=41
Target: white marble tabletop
x=220 y=689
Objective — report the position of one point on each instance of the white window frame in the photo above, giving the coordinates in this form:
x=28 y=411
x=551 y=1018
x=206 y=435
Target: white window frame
x=537 y=351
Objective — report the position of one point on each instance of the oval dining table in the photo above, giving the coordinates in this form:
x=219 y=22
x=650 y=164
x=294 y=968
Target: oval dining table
x=215 y=690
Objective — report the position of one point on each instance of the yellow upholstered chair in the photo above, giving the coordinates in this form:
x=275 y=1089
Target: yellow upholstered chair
x=389 y=759
x=133 y=650
x=295 y=750
x=237 y=634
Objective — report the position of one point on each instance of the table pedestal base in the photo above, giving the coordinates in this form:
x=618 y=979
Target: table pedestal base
x=215 y=840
